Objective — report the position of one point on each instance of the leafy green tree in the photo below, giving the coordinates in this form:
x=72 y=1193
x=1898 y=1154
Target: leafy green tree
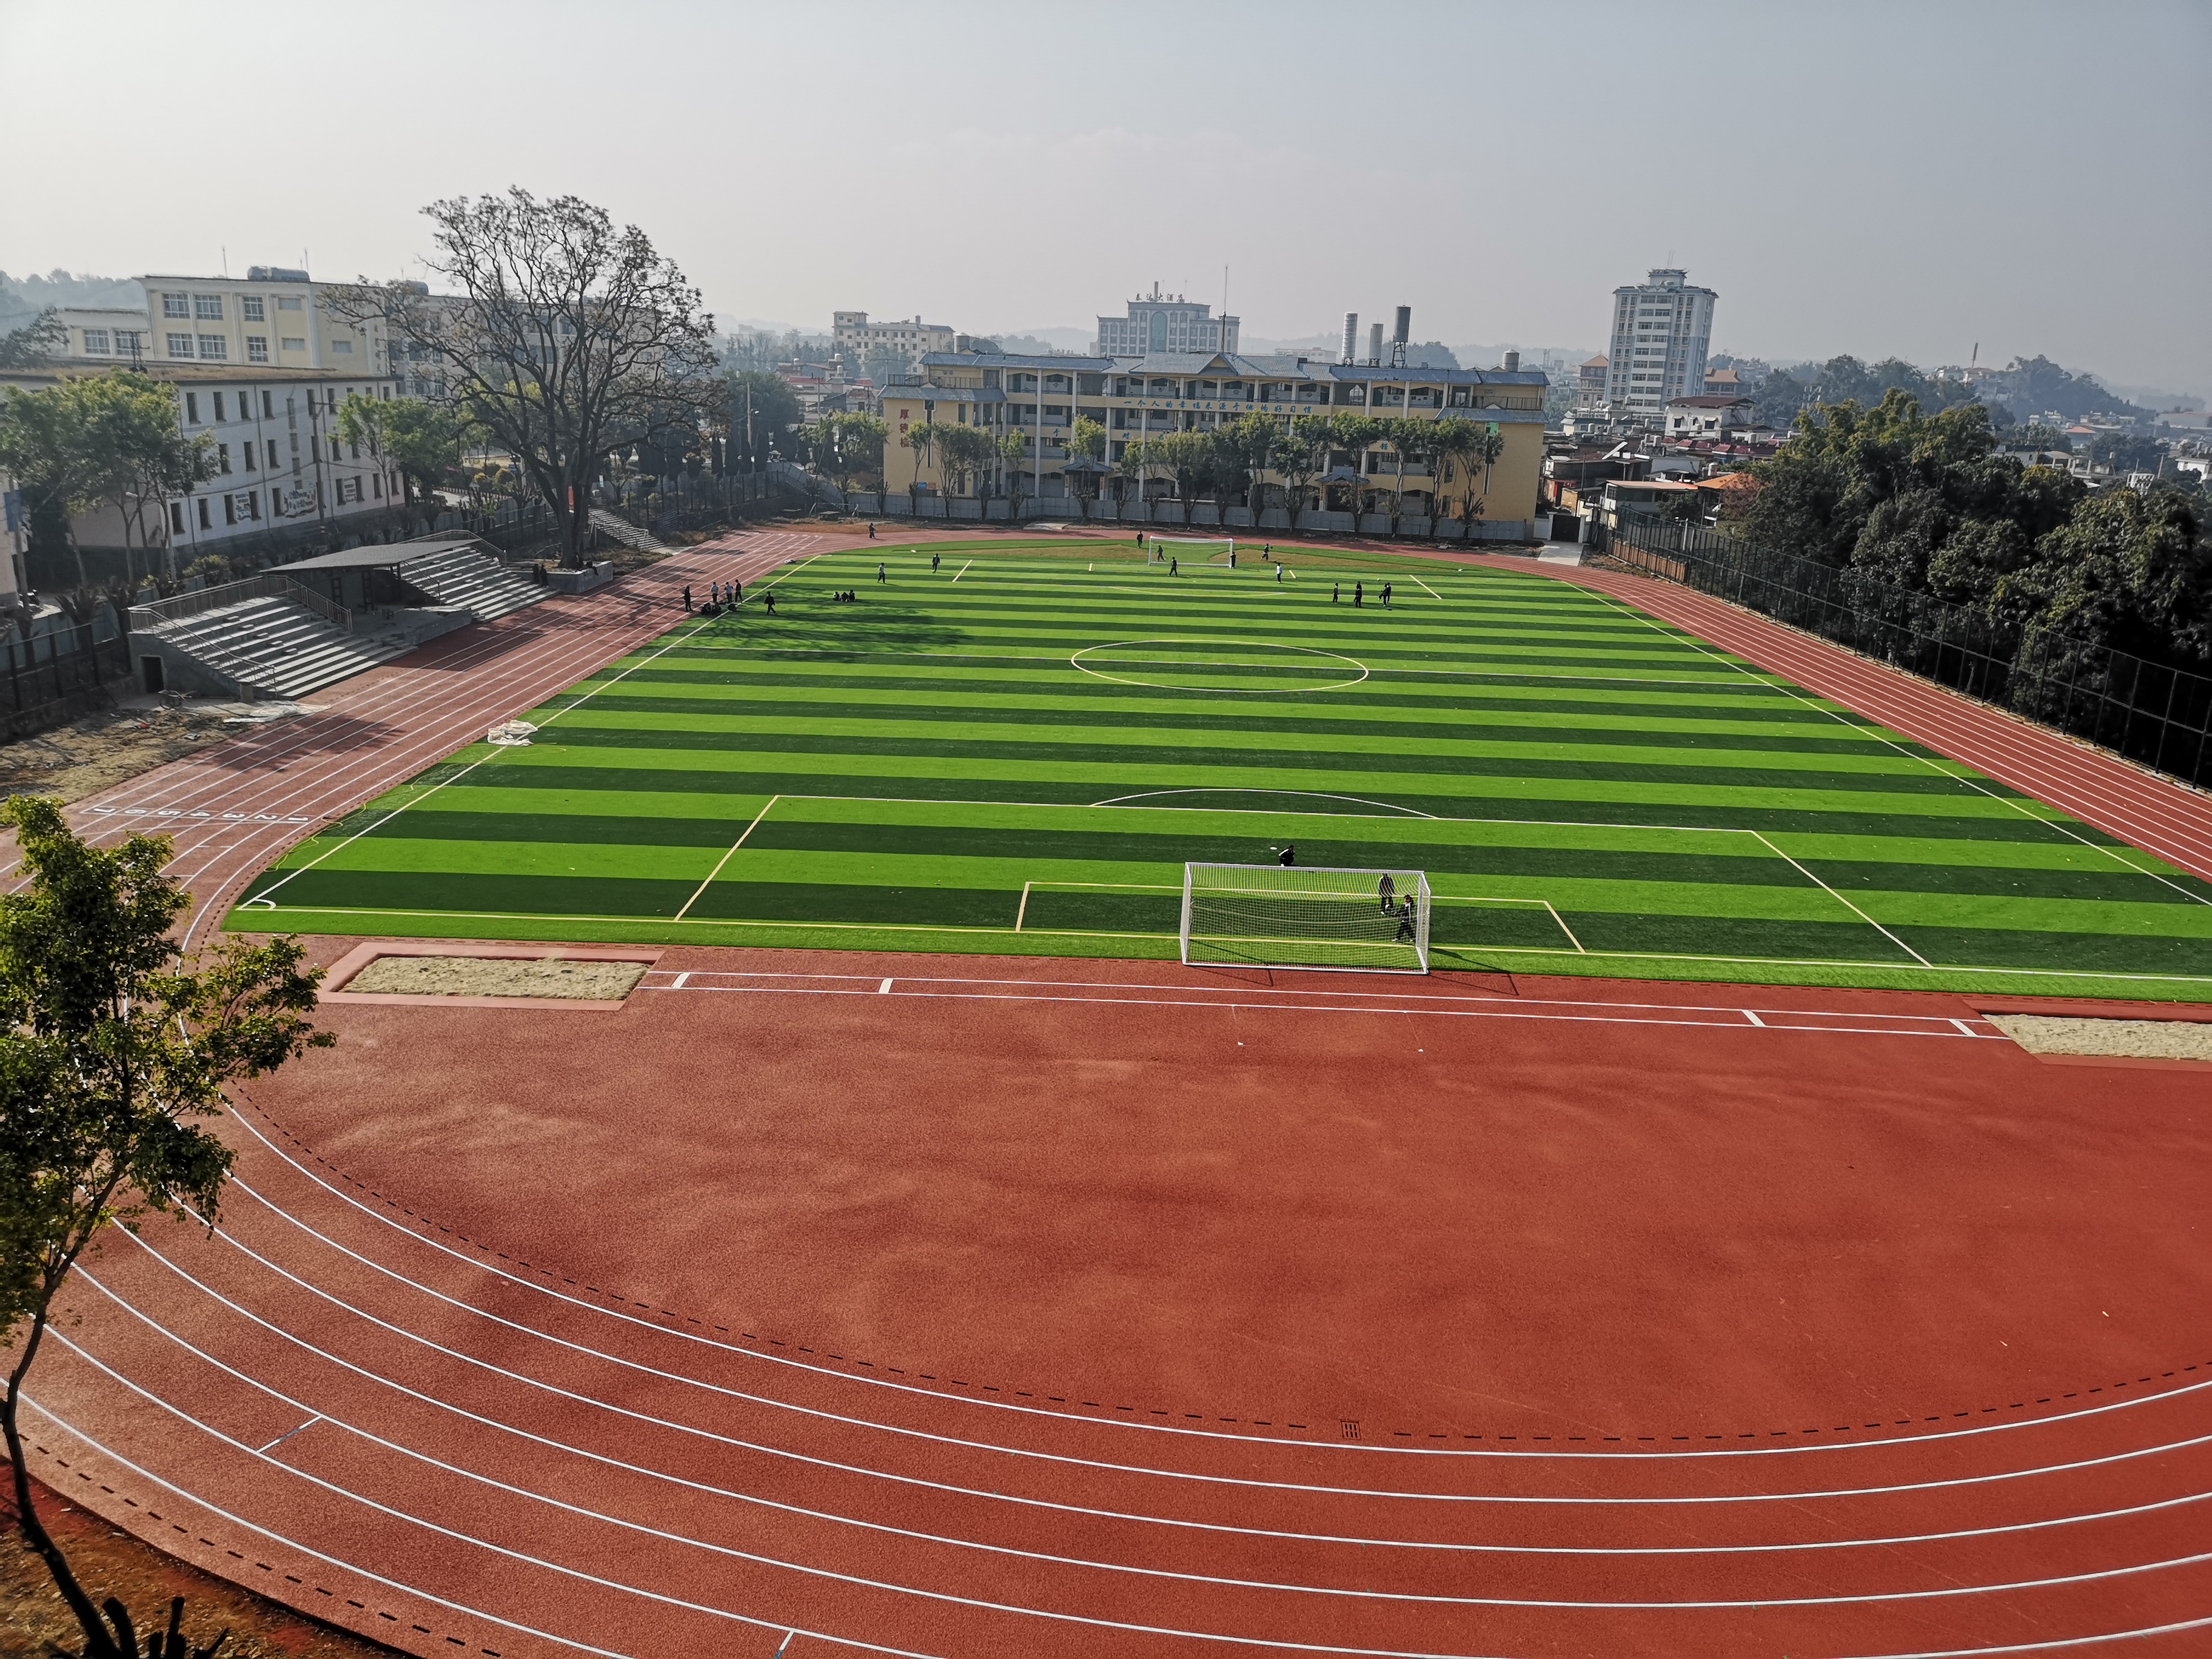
x=1352 y=436
x=567 y=339
x=849 y=445
x=26 y=347
x=2129 y=571
x=112 y=1049
x=427 y=441
x=1013 y=463
x=963 y=451
x=1244 y=450
x=2126 y=451
x=1087 y=439
x=760 y=410
x=1301 y=452
x=1184 y=455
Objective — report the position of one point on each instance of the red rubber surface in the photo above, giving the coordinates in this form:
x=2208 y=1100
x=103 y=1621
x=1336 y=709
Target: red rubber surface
x=1018 y=1308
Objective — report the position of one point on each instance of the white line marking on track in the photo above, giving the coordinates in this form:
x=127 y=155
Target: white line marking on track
x=273 y=1444
x=1755 y=1019
x=1009 y=1407
x=885 y=989
x=1089 y=1512
x=730 y=1552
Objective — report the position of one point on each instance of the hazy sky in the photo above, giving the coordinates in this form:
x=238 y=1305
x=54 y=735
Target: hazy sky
x=1850 y=177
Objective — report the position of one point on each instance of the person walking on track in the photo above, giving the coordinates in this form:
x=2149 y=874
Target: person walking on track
x=872 y=532
x=687 y=597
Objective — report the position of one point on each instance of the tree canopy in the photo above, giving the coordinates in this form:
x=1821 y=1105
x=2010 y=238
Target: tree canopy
x=567 y=339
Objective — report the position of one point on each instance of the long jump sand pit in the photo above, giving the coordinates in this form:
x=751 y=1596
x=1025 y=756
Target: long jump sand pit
x=2113 y=1039
x=493 y=976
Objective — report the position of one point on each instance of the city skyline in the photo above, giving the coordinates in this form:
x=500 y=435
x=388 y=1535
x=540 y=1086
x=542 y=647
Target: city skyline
x=1928 y=203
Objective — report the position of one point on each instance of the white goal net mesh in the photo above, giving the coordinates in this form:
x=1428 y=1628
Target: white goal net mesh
x=1297 y=916
x=1184 y=547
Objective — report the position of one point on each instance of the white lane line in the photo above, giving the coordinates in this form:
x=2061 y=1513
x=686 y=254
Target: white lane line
x=1088 y=1511
x=729 y=1551
x=680 y=979
x=1197 y=1000
x=273 y=1444
x=1424 y=587
x=1756 y=1020
x=2187 y=1388
x=236 y=1519
x=885 y=989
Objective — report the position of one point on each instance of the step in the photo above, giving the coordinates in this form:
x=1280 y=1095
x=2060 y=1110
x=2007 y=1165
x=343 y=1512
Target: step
x=473 y=581
x=277 y=647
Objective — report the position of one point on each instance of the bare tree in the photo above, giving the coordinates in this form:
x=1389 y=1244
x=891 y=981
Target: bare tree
x=563 y=339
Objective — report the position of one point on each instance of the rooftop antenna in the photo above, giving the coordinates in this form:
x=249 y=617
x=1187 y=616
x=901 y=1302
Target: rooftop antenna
x=225 y=264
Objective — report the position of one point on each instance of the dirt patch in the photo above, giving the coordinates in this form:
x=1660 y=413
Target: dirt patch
x=498 y=976
x=97 y=751
x=109 y=1561
x=2113 y=1039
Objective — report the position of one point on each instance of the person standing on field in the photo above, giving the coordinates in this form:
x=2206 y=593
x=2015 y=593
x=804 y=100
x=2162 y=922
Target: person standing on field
x=1386 y=891
x=1288 y=856
x=1358 y=592
x=932 y=563
x=1335 y=593
x=880 y=573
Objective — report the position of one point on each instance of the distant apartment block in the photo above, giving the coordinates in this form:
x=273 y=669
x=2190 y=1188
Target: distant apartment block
x=1165 y=322
x=854 y=337
x=1663 y=330
x=1590 y=383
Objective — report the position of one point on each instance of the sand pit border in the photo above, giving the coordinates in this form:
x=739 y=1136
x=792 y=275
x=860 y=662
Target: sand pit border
x=346 y=967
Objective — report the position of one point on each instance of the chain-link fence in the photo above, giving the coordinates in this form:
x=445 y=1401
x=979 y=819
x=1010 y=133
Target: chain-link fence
x=2149 y=712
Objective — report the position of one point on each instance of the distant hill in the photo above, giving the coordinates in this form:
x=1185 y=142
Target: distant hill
x=22 y=298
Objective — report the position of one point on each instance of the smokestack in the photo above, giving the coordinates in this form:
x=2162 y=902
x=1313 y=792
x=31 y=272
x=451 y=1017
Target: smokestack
x=1351 y=335
x=1512 y=362
x=1375 y=343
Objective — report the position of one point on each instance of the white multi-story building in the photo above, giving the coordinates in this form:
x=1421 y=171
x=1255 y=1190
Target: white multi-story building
x=1164 y=322
x=854 y=337
x=1661 y=331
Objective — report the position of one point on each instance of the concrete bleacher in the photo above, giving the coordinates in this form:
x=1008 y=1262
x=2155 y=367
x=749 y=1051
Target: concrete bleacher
x=303 y=626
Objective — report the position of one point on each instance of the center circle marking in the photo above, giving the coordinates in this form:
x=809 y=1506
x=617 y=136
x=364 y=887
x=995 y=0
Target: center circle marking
x=1076 y=663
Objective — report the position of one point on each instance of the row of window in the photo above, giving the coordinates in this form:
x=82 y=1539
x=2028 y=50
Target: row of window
x=208 y=307
x=115 y=343
x=327 y=397
x=244 y=506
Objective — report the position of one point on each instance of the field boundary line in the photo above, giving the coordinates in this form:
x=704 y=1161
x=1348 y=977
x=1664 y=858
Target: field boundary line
x=726 y=857
x=958 y=574
x=679 y=634
x=1425 y=589
x=1971 y=776
x=1841 y=899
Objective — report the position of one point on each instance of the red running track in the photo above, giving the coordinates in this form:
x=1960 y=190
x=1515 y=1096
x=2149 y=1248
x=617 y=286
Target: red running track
x=1020 y=1308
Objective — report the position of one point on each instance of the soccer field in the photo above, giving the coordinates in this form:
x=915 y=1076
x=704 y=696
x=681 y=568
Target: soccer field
x=1018 y=753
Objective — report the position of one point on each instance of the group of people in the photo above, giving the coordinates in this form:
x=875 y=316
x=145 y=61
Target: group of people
x=845 y=596
x=1359 y=594
x=720 y=596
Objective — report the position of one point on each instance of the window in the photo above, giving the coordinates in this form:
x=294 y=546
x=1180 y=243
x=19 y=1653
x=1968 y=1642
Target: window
x=251 y=308
x=334 y=449
x=207 y=307
x=128 y=342
x=207 y=520
x=230 y=509
x=376 y=483
x=273 y=462
x=180 y=345
x=176 y=305
x=218 y=409
x=214 y=348
x=293 y=342
x=221 y=455
x=246 y=453
x=257 y=348
x=342 y=347
x=95 y=343
x=193 y=408
x=177 y=518
x=268 y=409
x=287 y=302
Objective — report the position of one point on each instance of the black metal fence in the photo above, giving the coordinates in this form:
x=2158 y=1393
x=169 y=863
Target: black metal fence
x=2158 y=715
x=65 y=663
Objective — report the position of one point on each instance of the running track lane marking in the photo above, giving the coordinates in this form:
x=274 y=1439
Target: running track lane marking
x=871 y=1647
x=2131 y=1570
x=1086 y=1511
x=1199 y=997
x=1207 y=1434
x=147 y=1474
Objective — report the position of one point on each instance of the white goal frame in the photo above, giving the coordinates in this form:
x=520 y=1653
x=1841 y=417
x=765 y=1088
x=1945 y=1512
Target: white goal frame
x=1216 y=542
x=1343 y=899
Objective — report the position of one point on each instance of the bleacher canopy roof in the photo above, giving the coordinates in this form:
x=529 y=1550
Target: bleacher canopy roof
x=386 y=556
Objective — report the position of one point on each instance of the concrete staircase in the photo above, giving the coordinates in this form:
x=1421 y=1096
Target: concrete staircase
x=615 y=528
x=273 y=647
x=475 y=581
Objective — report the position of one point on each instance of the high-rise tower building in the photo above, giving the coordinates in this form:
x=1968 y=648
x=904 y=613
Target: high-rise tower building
x=1661 y=331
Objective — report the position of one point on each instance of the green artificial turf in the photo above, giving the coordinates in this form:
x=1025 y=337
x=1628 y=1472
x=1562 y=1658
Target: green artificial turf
x=1018 y=753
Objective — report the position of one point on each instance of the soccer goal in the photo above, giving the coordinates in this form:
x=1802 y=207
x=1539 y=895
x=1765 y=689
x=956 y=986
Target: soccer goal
x=1273 y=915
x=1211 y=547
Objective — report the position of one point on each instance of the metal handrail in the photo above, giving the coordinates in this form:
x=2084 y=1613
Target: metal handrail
x=270 y=585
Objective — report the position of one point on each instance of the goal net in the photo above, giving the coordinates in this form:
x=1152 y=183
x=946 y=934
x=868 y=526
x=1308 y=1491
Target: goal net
x=1184 y=547
x=1274 y=915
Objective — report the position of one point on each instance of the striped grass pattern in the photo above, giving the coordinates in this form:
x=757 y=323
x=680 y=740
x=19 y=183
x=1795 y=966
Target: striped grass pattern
x=1018 y=752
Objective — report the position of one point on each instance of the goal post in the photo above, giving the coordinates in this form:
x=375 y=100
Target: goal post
x=1274 y=916
x=1215 y=547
